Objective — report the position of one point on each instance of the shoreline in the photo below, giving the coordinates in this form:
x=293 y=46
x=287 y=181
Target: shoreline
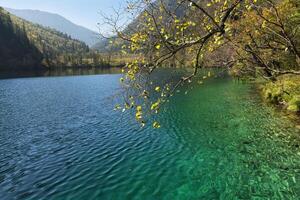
x=283 y=95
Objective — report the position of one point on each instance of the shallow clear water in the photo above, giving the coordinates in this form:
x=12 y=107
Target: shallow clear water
x=60 y=139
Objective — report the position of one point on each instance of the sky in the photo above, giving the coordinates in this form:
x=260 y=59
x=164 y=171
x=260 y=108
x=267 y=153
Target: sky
x=81 y=12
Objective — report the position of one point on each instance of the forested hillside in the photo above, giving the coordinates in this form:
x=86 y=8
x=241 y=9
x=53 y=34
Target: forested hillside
x=115 y=43
x=56 y=22
x=28 y=45
x=16 y=51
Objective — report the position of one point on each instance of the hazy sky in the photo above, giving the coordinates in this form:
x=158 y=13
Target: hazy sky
x=82 y=12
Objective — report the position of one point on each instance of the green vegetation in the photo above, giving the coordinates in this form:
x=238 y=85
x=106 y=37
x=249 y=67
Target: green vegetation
x=285 y=91
x=16 y=51
x=25 y=45
x=56 y=22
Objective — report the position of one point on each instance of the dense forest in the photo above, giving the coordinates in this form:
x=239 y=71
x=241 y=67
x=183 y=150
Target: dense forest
x=25 y=45
x=16 y=51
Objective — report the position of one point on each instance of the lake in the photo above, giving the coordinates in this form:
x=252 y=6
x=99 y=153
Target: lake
x=60 y=139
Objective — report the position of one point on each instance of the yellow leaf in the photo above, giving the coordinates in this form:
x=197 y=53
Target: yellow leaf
x=139 y=108
x=156 y=125
x=155 y=106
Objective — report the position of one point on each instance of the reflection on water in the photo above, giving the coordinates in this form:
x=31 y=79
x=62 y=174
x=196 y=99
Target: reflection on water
x=59 y=72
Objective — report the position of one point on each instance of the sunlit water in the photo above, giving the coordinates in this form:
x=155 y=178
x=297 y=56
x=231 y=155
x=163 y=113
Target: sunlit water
x=60 y=139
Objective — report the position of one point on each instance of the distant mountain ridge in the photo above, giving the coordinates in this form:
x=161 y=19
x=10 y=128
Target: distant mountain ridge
x=57 y=22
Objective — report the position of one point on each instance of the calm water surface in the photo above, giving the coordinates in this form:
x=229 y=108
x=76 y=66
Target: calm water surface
x=60 y=139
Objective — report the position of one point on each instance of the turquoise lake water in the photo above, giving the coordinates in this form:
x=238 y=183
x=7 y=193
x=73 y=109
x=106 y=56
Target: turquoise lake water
x=60 y=139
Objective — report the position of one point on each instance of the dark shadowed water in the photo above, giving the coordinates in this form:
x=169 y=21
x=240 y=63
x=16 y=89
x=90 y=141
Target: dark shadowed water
x=60 y=139
x=59 y=72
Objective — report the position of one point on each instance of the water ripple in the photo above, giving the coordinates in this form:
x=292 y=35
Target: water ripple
x=60 y=139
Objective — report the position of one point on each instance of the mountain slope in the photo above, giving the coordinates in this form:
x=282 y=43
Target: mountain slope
x=16 y=51
x=104 y=45
x=57 y=22
x=24 y=44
